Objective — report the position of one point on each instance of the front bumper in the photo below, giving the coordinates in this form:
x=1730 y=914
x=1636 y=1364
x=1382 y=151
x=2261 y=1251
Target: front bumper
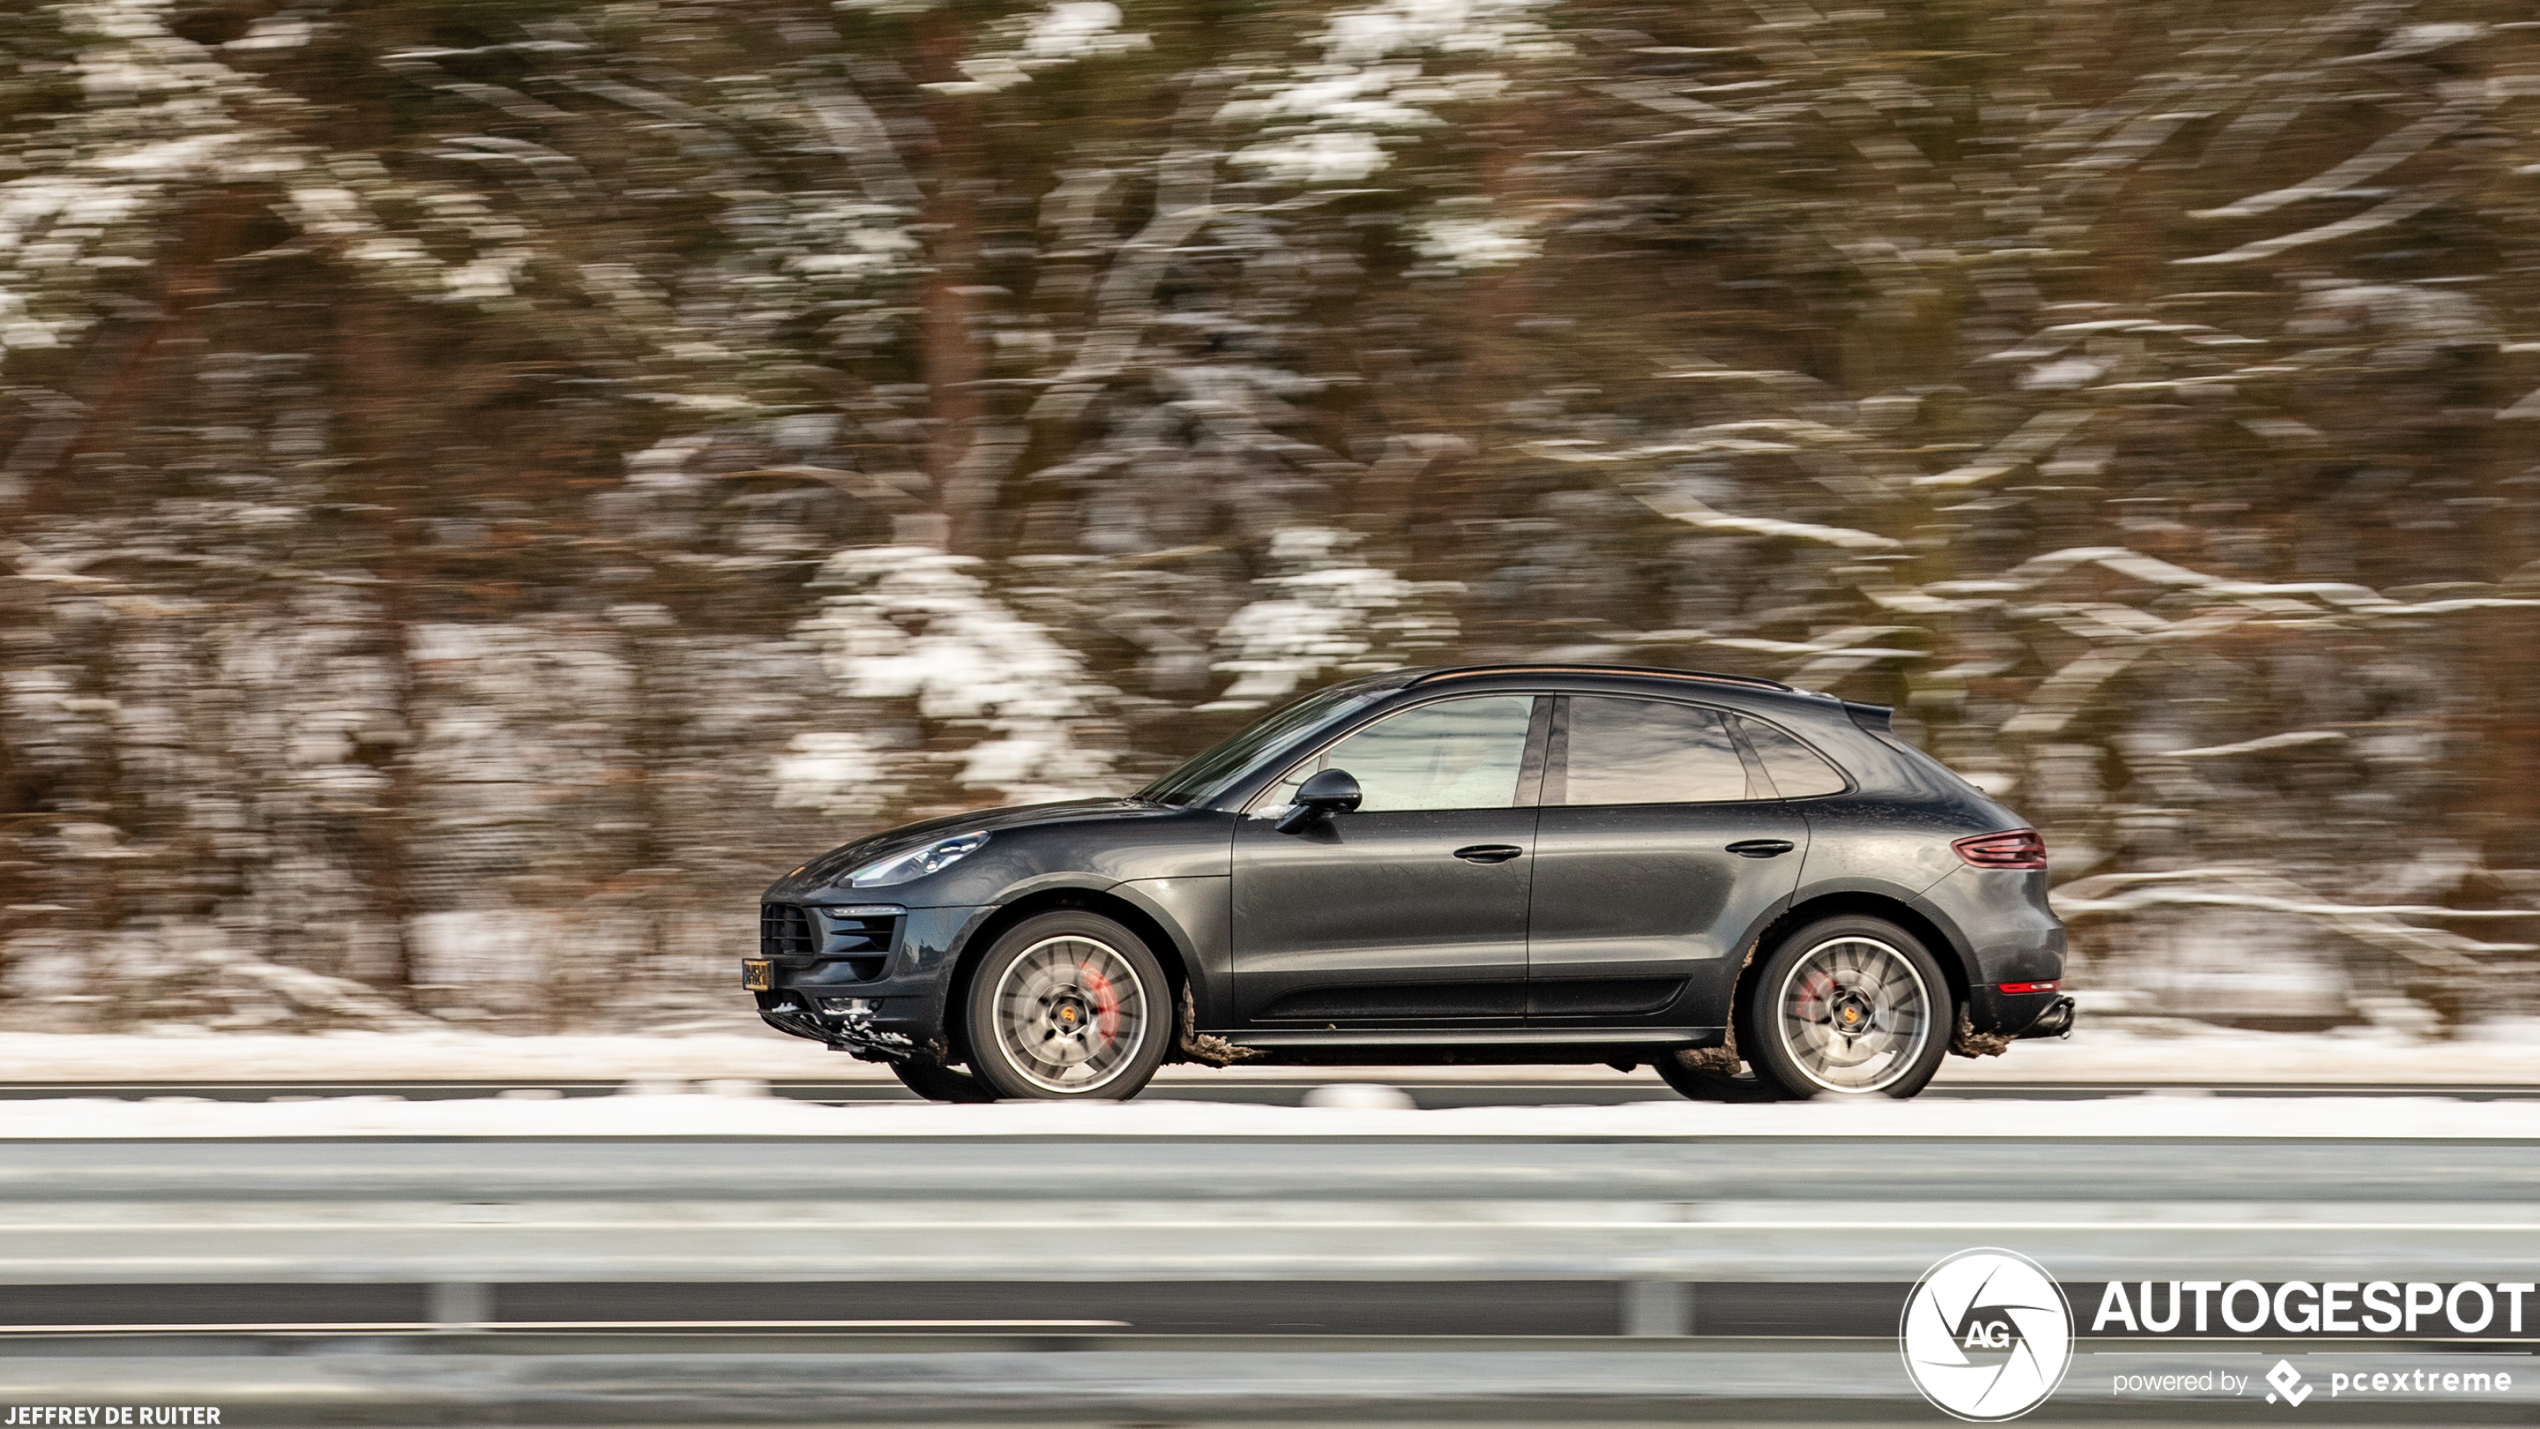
x=878 y=1004
x=853 y=1034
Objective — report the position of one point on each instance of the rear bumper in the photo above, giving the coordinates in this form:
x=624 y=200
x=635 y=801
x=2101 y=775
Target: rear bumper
x=2056 y=1021
x=2009 y=936
x=2019 y=1014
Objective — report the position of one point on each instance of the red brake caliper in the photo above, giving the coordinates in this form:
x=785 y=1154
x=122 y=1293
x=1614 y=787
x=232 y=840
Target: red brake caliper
x=1106 y=1003
x=1813 y=993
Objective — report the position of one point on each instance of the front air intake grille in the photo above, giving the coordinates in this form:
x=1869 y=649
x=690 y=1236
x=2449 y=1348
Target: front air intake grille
x=854 y=932
x=785 y=931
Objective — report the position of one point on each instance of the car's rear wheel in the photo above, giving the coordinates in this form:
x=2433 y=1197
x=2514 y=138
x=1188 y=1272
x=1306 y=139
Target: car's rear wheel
x=941 y=1084
x=1850 y=1006
x=1068 y=1006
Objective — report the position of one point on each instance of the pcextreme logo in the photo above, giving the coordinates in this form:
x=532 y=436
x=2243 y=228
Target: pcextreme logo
x=1987 y=1335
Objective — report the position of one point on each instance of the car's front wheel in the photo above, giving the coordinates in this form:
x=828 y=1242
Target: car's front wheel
x=1850 y=1006
x=1068 y=1006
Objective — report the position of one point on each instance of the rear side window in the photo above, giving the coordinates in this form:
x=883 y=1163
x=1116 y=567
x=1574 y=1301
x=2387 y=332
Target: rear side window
x=1626 y=751
x=1798 y=771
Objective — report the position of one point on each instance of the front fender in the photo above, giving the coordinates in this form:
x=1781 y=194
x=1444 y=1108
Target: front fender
x=1190 y=912
x=1098 y=854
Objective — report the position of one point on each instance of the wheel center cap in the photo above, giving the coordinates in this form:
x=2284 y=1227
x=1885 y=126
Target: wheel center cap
x=1068 y=1016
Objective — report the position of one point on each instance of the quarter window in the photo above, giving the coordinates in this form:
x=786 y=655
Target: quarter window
x=1798 y=772
x=1456 y=754
x=1625 y=751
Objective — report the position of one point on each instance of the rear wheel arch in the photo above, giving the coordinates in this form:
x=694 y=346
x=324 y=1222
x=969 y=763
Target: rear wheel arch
x=1941 y=941
x=1160 y=940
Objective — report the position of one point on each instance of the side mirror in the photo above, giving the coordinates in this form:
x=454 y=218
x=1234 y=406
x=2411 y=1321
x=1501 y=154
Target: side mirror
x=1330 y=792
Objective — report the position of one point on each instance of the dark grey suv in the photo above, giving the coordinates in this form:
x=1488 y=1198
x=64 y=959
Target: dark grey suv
x=1759 y=891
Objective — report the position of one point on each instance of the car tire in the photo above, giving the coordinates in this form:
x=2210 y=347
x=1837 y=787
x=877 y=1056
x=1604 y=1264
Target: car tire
x=1849 y=1006
x=941 y=1084
x=1068 y=1006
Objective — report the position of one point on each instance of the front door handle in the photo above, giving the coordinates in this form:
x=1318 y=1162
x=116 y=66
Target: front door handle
x=1489 y=853
x=1761 y=848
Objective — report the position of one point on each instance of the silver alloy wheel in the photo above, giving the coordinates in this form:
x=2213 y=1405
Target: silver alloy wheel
x=1071 y=1014
x=1854 y=1014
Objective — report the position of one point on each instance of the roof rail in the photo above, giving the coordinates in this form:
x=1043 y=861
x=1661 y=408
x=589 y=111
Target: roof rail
x=1457 y=672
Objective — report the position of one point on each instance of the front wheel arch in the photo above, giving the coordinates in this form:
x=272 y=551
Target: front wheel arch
x=1082 y=965
x=1161 y=944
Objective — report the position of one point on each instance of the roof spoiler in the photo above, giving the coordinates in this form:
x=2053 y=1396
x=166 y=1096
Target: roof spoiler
x=1873 y=718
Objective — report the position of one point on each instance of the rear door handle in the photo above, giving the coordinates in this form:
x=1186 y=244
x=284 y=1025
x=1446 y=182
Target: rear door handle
x=1761 y=848
x=1489 y=853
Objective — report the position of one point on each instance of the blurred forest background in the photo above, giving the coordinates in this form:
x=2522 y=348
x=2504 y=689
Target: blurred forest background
x=485 y=484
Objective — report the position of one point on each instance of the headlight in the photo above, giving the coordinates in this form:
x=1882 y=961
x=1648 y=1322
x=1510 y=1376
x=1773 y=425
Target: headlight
x=918 y=862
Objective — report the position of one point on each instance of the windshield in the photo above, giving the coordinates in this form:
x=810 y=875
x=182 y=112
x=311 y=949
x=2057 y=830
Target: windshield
x=1206 y=775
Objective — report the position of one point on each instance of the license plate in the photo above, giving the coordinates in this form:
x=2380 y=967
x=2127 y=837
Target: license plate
x=758 y=975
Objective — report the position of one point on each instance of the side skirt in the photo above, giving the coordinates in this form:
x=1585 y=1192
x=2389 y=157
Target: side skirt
x=1379 y=1047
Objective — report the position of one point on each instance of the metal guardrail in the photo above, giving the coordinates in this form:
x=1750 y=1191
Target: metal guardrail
x=470 y=1212
x=1607 y=1254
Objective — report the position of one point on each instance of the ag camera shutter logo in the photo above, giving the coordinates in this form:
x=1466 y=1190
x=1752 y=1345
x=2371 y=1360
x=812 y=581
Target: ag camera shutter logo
x=1987 y=1335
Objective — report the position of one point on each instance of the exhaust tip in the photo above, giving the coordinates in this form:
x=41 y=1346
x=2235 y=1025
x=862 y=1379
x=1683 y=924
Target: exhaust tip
x=2056 y=1021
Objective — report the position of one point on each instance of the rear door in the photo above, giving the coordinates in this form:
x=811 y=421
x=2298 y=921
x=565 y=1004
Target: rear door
x=1412 y=909
x=1660 y=844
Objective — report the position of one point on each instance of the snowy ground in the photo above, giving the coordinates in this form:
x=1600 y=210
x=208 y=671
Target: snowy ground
x=2128 y=1052
x=741 y=1108
x=716 y=1084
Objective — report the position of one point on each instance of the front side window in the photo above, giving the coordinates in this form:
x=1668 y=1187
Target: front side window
x=1627 y=751
x=1206 y=775
x=1455 y=754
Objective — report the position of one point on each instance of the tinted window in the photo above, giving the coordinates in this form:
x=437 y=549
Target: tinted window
x=1650 y=752
x=1207 y=774
x=1457 y=754
x=1798 y=771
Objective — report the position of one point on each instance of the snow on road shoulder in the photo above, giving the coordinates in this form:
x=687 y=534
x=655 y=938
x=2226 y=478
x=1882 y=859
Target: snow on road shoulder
x=2134 y=1051
x=193 y=1055
x=737 y=1114
x=2178 y=1052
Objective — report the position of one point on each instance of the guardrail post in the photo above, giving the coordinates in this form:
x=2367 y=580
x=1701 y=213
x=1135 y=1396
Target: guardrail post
x=1657 y=1307
x=458 y=1305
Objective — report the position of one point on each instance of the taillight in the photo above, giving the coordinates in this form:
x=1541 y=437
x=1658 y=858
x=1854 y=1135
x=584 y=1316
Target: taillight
x=2018 y=988
x=2020 y=848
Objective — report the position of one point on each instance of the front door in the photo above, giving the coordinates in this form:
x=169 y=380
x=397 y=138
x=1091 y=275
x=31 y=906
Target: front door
x=1660 y=845
x=1411 y=909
